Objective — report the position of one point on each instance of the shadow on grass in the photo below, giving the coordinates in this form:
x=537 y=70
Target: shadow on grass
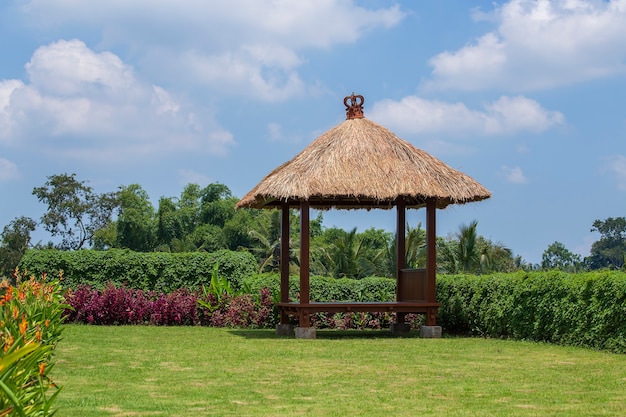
x=325 y=334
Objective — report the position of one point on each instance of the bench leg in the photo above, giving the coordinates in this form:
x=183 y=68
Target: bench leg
x=431 y=316
x=401 y=318
x=304 y=319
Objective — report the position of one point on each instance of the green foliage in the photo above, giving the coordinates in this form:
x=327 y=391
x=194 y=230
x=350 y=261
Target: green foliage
x=468 y=253
x=15 y=240
x=135 y=222
x=610 y=250
x=218 y=287
x=30 y=328
x=75 y=212
x=157 y=271
x=325 y=289
x=557 y=256
x=350 y=254
x=585 y=309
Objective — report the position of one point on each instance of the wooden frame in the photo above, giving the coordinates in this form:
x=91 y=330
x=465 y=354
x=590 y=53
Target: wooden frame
x=411 y=297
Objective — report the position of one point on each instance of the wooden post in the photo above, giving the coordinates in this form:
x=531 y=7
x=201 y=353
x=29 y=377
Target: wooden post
x=304 y=261
x=400 y=251
x=400 y=237
x=431 y=258
x=284 y=260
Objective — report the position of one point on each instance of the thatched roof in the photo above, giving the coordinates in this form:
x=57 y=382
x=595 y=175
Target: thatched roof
x=360 y=164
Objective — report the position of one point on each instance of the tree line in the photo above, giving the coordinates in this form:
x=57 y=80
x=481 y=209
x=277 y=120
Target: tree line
x=205 y=219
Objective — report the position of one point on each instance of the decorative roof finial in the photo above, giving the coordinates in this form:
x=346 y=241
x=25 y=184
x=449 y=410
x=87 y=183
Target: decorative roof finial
x=354 y=110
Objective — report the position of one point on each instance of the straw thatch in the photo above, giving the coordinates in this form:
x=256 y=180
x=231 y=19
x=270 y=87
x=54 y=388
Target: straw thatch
x=360 y=164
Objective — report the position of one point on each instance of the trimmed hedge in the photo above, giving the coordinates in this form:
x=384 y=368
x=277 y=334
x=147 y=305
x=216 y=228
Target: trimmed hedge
x=151 y=271
x=586 y=309
x=326 y=289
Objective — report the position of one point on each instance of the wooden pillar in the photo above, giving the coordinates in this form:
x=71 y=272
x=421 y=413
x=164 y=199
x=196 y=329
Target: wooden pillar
x=400 y=250
x=304 y=261
x=431 y=259
x=400 y=237
x=284 y=260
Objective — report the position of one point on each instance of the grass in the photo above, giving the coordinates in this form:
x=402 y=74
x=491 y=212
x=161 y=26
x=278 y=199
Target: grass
x=199 y=371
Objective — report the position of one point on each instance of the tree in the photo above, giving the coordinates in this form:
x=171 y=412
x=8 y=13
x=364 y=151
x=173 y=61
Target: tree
x=468 y=256
x=188 y=208
x=75 y=212
x=135 y=221
x=349 y=254
x=610 y=250
x=468 y=252
x=415 y=249
x=494 y=256
x=168 y=224
x=557 y=256
x=15 y=240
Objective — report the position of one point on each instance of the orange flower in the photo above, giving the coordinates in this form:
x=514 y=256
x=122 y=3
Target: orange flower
x=23 y=325
x=38 y=334
x=9 y=294
x=16 y=313
x=42 y=368
x=8 y=343
x=46 y=323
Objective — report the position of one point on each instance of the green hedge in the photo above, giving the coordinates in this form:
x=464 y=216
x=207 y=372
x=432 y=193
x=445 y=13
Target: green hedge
x=585 y=309
x=159 y=271
x=325 y=289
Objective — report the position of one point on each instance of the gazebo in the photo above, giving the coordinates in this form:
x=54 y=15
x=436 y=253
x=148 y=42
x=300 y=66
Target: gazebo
x=359 y=164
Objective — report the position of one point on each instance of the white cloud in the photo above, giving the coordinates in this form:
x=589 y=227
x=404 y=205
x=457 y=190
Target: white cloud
x=275 y=132
x=67 y=68
x=7 y=122
x=243 y=74
x=189 y=176
x=8 y=170
x=94 y=105
x=505 y=116
x=538 y=45
x=247 y=47
x=514 y=175
x=617 y=166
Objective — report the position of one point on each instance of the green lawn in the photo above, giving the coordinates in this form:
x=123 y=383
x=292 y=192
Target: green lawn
x=199 y=371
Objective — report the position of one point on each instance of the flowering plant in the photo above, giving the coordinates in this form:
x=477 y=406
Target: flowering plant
x=31 y=313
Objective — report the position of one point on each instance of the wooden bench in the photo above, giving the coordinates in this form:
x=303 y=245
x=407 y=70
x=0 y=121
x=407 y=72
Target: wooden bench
x=347 y=307
x=302 y=311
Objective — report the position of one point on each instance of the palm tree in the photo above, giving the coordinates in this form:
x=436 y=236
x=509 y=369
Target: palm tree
x=266 y=234
x=468 y=256
x=415 y=249
x=349 y=256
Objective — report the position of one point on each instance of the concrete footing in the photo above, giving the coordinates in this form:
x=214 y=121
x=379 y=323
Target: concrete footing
x=305 y=333
x=285 y=329
x=430 y=332
x=400 y=329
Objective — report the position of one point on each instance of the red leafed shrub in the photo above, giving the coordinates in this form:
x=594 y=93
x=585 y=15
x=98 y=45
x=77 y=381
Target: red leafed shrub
x=241 y=310
x=122 y=305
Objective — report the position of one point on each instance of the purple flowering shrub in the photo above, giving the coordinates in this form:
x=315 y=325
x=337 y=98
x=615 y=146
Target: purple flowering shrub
x=121 y=305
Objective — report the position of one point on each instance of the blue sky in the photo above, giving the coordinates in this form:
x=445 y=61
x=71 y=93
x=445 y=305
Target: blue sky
x=527 y=97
